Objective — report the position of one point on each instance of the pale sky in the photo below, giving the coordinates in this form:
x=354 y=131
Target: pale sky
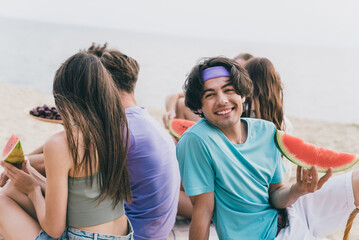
x=320 y=22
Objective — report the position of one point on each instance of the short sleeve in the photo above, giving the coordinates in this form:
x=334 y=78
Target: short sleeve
x=195 y=165
x=278 y=175
x=131 y=143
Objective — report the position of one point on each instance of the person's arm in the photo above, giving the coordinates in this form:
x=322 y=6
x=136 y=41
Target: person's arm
x=51 y=210
x=3 y=179
x=203 y=205
x=171 y=103
x=282 y=196
x=37 y=150
x=36 y=159
x=52 y=214
x=41 y=180
x=37 y=162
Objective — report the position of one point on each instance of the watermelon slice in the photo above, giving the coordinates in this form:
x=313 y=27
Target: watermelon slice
x=13 y=152
x=178 y=126
x=308 y=155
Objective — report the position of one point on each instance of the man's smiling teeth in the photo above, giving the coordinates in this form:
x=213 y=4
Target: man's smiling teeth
x=224 y=112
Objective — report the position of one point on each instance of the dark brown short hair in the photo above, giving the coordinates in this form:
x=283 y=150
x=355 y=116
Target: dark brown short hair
x=124 y=69
x=193 y=86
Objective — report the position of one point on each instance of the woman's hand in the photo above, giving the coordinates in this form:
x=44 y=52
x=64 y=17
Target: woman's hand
x=3 y=179
x=23 y=179
x=167 y=116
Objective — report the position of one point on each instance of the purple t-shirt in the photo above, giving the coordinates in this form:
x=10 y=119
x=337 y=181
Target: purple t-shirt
x=154 y=176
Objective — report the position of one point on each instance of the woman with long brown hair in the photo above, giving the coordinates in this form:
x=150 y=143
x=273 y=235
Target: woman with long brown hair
x=267 y=98
x=87 y=180
x=266 y=101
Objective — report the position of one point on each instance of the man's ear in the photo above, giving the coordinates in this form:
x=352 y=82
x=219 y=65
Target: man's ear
x=200 y=111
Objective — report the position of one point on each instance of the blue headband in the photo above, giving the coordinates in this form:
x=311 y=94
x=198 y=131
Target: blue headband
x=215 y=72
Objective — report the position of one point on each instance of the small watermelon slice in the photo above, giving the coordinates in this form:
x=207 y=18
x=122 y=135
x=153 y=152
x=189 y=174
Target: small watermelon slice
x=308 y=155
x=178 y=126
x=13 y=152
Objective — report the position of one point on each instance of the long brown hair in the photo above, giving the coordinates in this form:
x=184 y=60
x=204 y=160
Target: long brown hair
x=90 y=104
x=267 y=98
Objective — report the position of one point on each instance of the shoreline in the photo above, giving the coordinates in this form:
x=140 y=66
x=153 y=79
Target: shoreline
x=14 y=119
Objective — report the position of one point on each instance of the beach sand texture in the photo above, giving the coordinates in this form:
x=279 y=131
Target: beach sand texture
x=15 y=102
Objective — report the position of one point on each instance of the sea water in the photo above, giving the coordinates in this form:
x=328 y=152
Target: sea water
x=320 y=82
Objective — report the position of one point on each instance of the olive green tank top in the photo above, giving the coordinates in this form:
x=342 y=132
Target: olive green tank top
x=83 y=208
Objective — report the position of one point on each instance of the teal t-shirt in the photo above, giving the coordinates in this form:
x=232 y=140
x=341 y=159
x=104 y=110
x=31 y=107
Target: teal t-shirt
x=239 y=175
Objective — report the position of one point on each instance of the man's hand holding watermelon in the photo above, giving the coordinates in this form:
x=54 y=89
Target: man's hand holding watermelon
x=307 y=181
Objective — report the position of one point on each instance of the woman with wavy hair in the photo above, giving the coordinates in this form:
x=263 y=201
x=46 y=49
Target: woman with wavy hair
x=267 y=98
x=266 y=101
x=86 y=172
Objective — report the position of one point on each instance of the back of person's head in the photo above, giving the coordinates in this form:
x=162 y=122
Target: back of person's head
x=242 y=58
x=194 y=84
x=267 y=99
x=124 y=69
x=87 y=99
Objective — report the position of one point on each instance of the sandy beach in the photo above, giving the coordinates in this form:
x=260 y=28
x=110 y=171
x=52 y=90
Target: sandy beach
x=15 y=103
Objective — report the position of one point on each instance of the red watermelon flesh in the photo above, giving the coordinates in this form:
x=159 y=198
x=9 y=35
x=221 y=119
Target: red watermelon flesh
x=308 y=155
x=178 y=126
x=13 y=152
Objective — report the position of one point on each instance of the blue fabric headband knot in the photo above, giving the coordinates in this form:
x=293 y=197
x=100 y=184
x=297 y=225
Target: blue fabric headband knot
x=214 y=72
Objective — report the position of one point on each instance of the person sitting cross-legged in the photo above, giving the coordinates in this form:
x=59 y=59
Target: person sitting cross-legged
x=151 y=158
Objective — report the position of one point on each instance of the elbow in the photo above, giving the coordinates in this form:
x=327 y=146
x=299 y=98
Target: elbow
x=55 y=235
x=276 y=204
x=55 y=232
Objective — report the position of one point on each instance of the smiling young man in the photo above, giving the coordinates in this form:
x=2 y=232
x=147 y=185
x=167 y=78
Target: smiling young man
x=232 y=170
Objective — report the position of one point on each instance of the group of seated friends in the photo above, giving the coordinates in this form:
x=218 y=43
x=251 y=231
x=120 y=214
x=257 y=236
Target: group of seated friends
x=116 y=173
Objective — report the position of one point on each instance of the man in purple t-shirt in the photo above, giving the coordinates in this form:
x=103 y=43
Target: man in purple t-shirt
x=151 y=160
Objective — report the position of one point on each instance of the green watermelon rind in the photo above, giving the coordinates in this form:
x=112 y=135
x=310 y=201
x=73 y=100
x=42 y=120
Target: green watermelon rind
x=171 y=129
x=290 y=157
x=16 y=155
x=182 y=123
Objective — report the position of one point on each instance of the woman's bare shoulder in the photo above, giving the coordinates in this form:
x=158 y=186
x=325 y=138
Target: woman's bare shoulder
x=56 y=142
x=56 y=148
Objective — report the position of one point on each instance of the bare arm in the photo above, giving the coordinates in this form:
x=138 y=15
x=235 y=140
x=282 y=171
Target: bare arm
x=36 y=159
x=3 y=179
x=41 y=180
x=52 y=215
x=203 y=205
x=37 y=150
x=171 y=103
x=51 y=209
x=37 y=162
x=282 y=196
